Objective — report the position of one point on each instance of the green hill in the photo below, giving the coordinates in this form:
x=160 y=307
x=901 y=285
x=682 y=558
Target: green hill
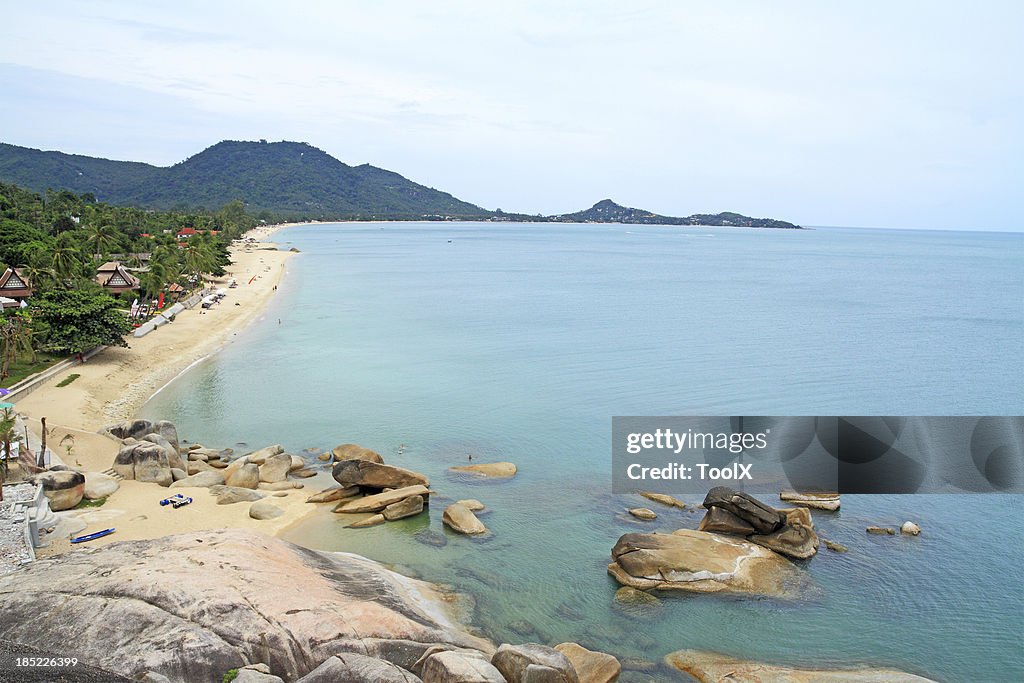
x=285 y=178
x=607 y=211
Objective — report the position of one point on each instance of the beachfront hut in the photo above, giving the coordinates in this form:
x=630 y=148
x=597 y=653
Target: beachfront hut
x=115 y=278
x=13 y=284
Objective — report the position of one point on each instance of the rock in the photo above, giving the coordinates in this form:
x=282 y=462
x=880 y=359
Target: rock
x=881 y=530
x=356 y=668
x=217 y=464
x=472 y=504
x=247 y=476
x=532 y=662
x=910 y=529
x=636 y=602
x=375 y=475
x=99 y=485
x=144 y=461
x=351 y=451
x=523 y=627
x=275 y=468
x=203 y=479
x=133 y=429
x=260 y=456
x=247 y=675
x=794 y=539
x=168 y=432
x=643 y=513
x=663 y=499
x=173 y=455
x=305 y=606
x=711 y=667
x=836 y=547
x=197 y=466
x=280 y=494
x=63 y=488
x=280 y=486
x=297 y=463
x=372 y=520
x=720 y=521
x=334 y=493
x=459 y=667
x=493 y=470
x=229 y=495
x=325 y=457
x=379 y=501
x=264 y=509
x=154 y=677
x=461 y=519
x=701 y=562
x=431 y=537
x=413 y=505
x=195 y=455
x=764 y=518
x=590 y=666
x=304 y=473
x=819 y=501
x=177 y=475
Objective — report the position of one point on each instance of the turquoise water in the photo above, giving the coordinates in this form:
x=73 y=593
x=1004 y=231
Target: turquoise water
x=520 y=342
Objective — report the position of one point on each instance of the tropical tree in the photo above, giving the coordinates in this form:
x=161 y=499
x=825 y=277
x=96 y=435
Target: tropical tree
x=65 y=264
x=101 y=239
x=77 y=320
x=8 y=434
x=15 y=340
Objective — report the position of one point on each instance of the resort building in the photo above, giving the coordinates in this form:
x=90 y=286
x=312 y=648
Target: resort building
x=14 y=285
x=115 y=278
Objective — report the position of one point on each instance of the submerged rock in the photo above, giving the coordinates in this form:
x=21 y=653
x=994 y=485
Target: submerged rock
x=493 y=470
x=372 y=520
x=711 y=667
x=643 y=513
x=881 y=530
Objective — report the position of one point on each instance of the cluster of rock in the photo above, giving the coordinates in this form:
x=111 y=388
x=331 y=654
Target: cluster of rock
x=319 y=617
x=907 y=529
x=712 y=667
x=149 y=451
x=788 y=532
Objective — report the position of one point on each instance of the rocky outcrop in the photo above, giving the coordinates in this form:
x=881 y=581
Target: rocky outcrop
x=819 y=501
x=788 y=532
x=229 y=495
x=532 y=662
x=664 y=499
x=379 y=501
x=461 y=519
x=144 y=461
x=711 y=667
x=99 y=485
x=246 y=476
x=375 y=475
x=591 y=666
x=202 y=480
x=63 y=488
x=259 y=599
x=356 y=668
x=275 y=468
x=411 y=506
x=493 y=470
x=334 y=494
x=448 y=666
x=701 y=562
x=351 y=451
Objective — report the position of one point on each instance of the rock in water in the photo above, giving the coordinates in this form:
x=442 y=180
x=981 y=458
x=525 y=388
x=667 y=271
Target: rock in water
x=472 y=504
x=663 y=499
x=372 y=520
x=494 y=470
x=375 y=475
x=63 y=488
x=194 y=625
x=796 y=538
x=701 y=562
x=99 y=485
x=351 y=451
x=263 y=509
x=643 y=513
x=720 y=521
x=910 y=529
x=335 y=493
x=533 y=662
x=379 y=501
x=591 y=666
x=764 y=518
x=881 y=530
x=711 y=667
x=461 y=519
x=819 y=501
x=413 y=505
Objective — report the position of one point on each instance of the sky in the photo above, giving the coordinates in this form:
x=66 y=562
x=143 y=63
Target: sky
x=882 y=114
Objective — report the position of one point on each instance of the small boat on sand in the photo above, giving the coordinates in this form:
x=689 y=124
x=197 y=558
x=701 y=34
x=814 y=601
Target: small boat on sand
x=92 y=536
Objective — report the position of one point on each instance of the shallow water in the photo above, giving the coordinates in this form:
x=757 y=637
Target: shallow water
x=521 y=342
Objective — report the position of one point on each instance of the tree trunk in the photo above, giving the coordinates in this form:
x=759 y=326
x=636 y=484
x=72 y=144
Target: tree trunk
x=41 y=461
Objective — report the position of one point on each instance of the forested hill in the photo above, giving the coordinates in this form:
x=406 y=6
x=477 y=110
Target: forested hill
x=607 y=211
x=285 y=178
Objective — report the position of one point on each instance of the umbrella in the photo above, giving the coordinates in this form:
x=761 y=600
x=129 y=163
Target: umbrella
x=6 y=405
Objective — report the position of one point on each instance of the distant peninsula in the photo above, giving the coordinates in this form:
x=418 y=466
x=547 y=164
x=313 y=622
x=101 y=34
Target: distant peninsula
x=291 y=181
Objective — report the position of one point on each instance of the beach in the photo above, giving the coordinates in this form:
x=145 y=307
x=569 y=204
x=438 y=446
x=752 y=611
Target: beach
x=115 y=383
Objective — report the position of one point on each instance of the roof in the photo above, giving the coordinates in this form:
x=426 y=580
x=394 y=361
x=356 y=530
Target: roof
x=14 y=284
x=188 y=231
x=116 y=277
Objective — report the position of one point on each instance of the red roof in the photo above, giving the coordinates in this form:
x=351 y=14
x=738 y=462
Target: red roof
x=187 y=231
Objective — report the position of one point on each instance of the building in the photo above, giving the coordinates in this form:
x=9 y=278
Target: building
x=185 y=233
x=115 y=278
x=14 y=285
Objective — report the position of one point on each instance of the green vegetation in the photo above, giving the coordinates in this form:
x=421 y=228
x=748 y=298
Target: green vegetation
x=26 y=367
x=231 y=675
x=279 y=179
x=607 y=211
x=86 y=503
x=68 y=380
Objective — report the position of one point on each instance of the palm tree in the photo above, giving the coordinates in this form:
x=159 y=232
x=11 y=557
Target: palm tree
x=65 y=261
x=16 y=339
x=101 y=239
x=7 y=435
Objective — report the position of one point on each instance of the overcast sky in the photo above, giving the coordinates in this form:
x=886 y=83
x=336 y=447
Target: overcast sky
x=889 y=114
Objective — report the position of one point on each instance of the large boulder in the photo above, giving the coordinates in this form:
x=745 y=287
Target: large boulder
x=259 y=599
x=448 y=666
x=275 y=468
x=820 y=501
x=201 y=480
x=375 y=475
x=144 y=461
x=99 y=485
x=63 y=488
x=411 y=506
x=492 y=470
x=461 y=519
x=167 y=430
x=262 y=454
x=174 y=458
x=132 y=429
x=591 y=666
x=764 y=518
x=531 y=663
x=229 y=495
x=264 y=509
x=247 y=476
x=796 y=538
x=379 y=501
x=720 y=521
x=333 y=494
x=351 y=451
x=356 y=668
x=712 y=667
x=664 y=499
x=701 y=562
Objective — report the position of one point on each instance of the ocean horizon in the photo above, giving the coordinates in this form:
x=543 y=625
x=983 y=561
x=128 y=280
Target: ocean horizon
x=433 y=342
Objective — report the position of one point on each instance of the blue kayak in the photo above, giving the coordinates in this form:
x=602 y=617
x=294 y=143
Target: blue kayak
x=93 y=536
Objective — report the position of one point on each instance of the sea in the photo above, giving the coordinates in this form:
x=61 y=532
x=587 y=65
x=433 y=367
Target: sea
x=434 y=342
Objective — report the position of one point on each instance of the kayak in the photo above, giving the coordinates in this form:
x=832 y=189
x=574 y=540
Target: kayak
x=93 y=536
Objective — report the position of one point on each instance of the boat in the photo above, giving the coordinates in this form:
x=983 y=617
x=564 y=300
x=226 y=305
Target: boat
x=92 y=536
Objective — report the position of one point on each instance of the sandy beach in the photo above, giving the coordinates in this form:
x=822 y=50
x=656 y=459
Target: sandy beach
x=115 y=383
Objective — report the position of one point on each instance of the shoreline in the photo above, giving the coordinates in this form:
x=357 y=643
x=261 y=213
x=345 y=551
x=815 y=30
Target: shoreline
x=114 y=384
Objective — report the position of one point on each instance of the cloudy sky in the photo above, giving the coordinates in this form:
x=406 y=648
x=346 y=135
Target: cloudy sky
x=889 y=114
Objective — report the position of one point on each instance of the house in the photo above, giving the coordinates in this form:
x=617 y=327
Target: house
x=14 y=285
x=115 y=278
x=185 y=233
